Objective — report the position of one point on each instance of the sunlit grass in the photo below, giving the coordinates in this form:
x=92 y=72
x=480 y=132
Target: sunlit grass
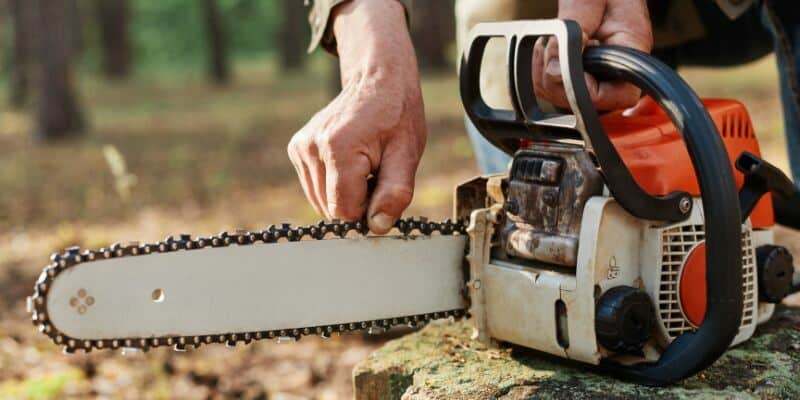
x=40 y=388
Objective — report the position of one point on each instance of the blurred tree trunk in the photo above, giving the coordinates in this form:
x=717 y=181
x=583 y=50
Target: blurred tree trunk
x=334 y=78
x=59 y=114
x=74 y=27
x=19 y=81
x=432 y=30
x=218 y=68
x=293 y=35
x=113 y=17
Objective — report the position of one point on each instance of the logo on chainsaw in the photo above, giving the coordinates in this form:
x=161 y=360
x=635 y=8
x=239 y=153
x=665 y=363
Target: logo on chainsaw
x=81 y=301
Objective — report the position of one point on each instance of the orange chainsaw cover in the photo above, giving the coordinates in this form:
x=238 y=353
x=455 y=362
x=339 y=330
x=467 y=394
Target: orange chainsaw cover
x=653 y=149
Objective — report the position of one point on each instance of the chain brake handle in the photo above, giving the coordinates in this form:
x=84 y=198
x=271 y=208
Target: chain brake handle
x=690 y=352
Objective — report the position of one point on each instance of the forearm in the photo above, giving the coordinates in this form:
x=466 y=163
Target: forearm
x=372 y=38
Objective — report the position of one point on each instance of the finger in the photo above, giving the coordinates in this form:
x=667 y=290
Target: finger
x=346 y=184
x=304 y=176
x=394 y=189
x=615 y=95
x=552 y=67
x=552 y=81
x=537 y=73
x=545 y=87
x=644 y=106
x=555 y=92
x=316 y=170
x=308 y=189
x=611 y=95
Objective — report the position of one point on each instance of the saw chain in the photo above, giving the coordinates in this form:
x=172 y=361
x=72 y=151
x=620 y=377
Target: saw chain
x=74 y=256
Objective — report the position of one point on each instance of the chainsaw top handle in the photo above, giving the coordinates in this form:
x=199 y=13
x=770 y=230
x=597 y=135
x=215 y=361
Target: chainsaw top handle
x=690 y=352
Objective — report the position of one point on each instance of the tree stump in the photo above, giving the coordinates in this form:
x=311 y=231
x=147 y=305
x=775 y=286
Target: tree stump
x=441 y=362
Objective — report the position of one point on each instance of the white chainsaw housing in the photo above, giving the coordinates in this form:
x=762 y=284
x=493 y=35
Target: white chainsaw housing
x=552 y=309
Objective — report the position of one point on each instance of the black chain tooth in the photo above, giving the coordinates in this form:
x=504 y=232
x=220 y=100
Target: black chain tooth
x=74 y=255
x=267 y=236
x=315 y=232
x=216 y=241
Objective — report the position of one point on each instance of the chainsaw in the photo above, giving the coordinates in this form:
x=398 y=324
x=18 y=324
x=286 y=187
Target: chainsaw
x=639 y=242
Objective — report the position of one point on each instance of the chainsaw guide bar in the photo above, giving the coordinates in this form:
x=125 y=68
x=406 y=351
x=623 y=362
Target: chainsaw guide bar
x=72 y=259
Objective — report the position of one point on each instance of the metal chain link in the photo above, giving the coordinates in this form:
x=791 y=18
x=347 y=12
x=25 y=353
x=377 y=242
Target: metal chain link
x=73 y=256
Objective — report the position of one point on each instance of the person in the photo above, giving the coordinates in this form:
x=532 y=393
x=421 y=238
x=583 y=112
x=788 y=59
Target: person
x=376 y=125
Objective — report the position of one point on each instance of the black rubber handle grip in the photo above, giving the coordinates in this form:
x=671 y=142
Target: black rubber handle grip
x=690 y=352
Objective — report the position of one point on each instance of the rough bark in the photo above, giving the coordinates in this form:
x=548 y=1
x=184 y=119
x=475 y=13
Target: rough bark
x=433 y=31
x=113 y=18
x=58 y=111
x=293 y=35
x=218 y=67
x=19 y=80
x=441 y=362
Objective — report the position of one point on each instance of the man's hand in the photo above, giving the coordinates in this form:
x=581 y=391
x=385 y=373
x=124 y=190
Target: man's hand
x=376 y=125
x=618 y=22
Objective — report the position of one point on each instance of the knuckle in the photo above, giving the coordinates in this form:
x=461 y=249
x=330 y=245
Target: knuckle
x=333 y=149
x=292 y=146
x=330 y=143
x=400 y=195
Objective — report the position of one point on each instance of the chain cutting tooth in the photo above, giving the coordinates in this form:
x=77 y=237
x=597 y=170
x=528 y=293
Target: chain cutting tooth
x=116 y=250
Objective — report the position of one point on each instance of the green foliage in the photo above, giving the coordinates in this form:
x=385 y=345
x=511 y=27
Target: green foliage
x=171 y=32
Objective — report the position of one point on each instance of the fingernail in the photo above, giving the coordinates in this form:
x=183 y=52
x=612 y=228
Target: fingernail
x=553 y=67
x=381 y=222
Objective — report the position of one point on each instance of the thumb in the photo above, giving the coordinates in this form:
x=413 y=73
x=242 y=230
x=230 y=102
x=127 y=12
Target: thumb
x=393 y=191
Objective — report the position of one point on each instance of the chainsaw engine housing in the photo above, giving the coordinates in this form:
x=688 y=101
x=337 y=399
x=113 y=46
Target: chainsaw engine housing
x=562 y=246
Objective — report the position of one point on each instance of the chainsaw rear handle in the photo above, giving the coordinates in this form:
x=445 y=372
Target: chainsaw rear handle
x=690 y=352
x=527 y=120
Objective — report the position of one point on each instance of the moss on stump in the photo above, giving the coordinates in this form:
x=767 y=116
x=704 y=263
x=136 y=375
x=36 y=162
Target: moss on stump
x=441 y=362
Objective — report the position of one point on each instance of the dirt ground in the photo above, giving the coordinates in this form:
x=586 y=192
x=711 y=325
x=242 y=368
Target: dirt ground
x=173 y=154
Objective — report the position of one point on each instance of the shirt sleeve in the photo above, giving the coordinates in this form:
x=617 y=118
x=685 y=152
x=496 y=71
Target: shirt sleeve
x=321 y=30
